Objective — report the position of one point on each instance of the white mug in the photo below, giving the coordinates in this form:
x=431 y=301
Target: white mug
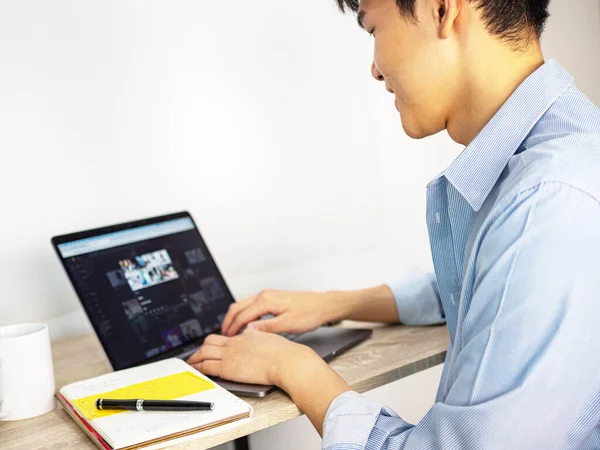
x=26 y=373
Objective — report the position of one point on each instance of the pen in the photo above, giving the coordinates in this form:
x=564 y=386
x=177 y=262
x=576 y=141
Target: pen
x=153 y=405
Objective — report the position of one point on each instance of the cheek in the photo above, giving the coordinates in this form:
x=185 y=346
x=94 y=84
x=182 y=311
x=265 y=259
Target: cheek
x=422 y=84
x=413 y=68
x=420 y=104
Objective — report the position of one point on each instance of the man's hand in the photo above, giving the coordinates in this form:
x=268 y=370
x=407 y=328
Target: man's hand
x=295 y=312
x=251 y=357
x=300 y=312
x=265 y=358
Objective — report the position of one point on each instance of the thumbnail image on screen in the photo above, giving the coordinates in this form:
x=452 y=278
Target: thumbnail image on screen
x=148 y=270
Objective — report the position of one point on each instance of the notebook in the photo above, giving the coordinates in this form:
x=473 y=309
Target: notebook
x=164 y=380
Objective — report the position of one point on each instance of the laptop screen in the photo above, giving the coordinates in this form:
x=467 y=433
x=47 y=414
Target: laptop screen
x=146 y=289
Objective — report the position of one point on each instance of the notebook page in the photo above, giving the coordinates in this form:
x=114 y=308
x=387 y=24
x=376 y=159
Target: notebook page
x=207 y=433
x=156 y=380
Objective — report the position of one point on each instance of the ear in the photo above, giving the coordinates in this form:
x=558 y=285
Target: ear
x=446 y=14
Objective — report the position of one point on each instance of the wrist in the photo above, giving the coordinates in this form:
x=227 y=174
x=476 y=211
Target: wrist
x=299 y=362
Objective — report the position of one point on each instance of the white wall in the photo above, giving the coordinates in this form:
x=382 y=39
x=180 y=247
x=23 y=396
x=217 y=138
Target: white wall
x=241 y=112
x=261 y=120
x=259 y=117
x=573 y=37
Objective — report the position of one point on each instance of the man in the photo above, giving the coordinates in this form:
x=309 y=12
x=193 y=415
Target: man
x=514 y=226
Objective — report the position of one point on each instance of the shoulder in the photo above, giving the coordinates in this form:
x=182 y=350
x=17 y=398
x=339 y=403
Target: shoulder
x=563 y=149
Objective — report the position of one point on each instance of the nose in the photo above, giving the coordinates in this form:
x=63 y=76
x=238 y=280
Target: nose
x=376 y=74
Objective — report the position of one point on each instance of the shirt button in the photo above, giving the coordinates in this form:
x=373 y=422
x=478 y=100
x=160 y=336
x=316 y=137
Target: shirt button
x=438 y=218
x=452 y=299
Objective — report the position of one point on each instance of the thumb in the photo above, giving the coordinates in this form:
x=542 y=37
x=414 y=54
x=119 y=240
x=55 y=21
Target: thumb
x=273 y=325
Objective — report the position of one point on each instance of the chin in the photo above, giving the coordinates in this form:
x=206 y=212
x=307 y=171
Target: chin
x=415 y=129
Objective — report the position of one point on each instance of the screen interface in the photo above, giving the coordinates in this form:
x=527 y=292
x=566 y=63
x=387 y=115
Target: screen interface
x=148 y=289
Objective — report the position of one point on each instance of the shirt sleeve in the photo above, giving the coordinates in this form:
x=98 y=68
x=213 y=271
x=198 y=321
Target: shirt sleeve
x=524 y=370
x=417 y=298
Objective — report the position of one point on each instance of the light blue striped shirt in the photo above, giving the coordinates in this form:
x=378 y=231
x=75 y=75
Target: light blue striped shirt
x=514 y=226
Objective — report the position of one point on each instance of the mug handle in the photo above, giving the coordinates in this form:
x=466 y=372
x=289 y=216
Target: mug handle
x=3 y=411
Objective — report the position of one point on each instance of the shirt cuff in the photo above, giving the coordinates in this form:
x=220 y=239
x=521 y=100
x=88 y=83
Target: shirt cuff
x=354 y=422
x=349 y=421
x=417 y=298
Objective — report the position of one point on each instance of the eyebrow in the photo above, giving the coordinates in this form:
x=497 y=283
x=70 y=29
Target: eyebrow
x=359 y=18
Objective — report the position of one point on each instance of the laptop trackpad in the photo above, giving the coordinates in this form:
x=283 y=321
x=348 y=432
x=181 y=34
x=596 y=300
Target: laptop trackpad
x=329 y=342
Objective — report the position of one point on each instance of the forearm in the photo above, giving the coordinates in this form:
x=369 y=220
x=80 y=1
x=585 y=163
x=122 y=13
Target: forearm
x=376 y=304
x=312 y=385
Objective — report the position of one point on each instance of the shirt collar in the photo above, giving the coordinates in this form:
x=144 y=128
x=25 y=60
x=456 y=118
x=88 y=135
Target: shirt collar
x=479 y=166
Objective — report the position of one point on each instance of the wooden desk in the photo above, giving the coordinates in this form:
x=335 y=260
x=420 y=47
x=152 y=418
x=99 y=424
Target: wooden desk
x=392 y=353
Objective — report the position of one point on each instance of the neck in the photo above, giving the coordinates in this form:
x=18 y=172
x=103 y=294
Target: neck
x=486 y=84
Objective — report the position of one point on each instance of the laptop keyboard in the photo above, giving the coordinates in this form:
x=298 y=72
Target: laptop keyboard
x=187 y=354
x=290 y=336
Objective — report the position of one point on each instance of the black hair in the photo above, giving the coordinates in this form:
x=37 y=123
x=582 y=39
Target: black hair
x=511 y=20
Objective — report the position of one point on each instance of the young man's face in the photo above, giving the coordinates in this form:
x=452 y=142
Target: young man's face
x=413 y=62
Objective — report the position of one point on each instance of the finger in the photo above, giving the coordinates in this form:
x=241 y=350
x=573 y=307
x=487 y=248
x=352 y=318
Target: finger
x=233 y=311
x=249 y=331
x=256 y=310
x=210 y=367
x=274 y=325
x=206 y=352
x=216 y=340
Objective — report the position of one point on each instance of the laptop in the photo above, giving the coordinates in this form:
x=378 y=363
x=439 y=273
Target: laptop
x=152 y=290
